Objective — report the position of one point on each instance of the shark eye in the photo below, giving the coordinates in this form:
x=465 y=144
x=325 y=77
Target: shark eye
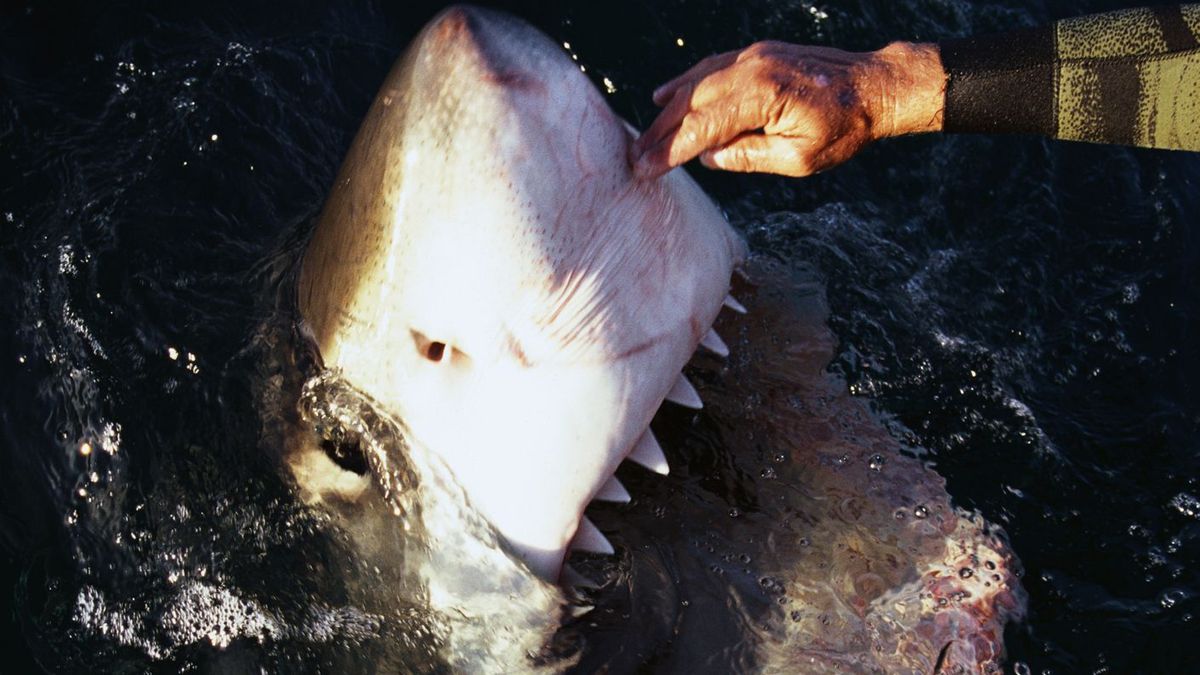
x=430 y=349
x=347 y=454
x=435 y=351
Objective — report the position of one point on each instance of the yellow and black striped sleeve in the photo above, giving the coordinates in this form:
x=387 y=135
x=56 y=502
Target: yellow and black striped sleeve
x=1130 y=77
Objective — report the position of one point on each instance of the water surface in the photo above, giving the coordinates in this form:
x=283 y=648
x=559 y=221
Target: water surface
x=1021 y=313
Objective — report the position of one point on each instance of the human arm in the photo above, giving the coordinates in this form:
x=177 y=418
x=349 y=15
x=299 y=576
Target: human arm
x=1130 y=77
x=791 y=109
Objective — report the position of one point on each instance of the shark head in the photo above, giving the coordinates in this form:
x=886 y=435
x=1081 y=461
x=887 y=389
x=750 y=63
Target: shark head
x=490 y=272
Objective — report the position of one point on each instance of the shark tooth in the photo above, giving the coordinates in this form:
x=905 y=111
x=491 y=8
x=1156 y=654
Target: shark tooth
x=589 y=539
x=577 y=608
x=732 y=303
x=683 y=393
x=569 y=577
x=613 y=491
x=713 y=342
x=649 y=454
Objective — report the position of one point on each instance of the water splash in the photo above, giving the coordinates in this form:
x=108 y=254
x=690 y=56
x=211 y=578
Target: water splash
x=494 y=611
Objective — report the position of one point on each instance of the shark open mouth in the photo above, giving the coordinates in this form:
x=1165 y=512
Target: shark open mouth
x=489 y=272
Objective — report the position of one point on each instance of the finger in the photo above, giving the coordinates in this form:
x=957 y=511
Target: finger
x=697 y=94
x=762 y=153
x=664 y=124
x=704 y=67
x=712 y=126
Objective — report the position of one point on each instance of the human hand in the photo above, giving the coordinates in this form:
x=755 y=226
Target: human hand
x=789 y=109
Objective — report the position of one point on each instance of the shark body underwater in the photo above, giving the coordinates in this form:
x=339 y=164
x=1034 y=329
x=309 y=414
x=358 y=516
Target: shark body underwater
x=488 y=272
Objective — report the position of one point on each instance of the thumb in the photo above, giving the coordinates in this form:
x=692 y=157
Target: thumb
x=761 y=153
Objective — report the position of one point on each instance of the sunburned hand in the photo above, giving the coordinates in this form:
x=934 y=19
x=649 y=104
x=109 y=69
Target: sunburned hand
x=789 y=109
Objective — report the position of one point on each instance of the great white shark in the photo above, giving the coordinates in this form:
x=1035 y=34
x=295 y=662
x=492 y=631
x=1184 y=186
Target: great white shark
x=489 y=275
x=488 y=270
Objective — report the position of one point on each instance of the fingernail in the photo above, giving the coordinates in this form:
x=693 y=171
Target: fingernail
x=635 y=157
x=635 y=149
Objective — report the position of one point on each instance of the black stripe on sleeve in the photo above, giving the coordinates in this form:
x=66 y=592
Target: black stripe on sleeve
x=1120 y=96
x=1001 y=83
x=1175 y=30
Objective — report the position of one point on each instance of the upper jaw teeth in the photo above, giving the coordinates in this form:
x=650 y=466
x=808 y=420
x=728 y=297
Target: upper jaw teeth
x=589 y=539
x=683 y=393
x=570 y=577
x=713 y=342
x=613 y=491
x=646 y=452
x=732 y=303
x=649 y=454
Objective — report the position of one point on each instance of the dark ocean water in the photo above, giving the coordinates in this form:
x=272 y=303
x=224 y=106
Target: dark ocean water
x=1026 y=311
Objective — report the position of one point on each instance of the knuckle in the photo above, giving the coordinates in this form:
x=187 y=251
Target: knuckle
x=759 y=54
x=765 y=47
x=754 y=50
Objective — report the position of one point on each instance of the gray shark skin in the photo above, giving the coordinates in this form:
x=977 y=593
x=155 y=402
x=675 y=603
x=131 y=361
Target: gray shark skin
x=488 y=271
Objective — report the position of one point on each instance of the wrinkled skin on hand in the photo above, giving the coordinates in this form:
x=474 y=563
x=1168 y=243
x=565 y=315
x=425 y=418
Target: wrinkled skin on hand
x=790 y=109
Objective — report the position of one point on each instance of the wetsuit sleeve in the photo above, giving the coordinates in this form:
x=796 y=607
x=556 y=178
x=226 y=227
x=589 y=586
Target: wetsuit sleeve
x=1130 y=77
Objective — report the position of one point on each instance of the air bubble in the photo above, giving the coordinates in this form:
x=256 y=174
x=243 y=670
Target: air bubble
x=921 y=512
